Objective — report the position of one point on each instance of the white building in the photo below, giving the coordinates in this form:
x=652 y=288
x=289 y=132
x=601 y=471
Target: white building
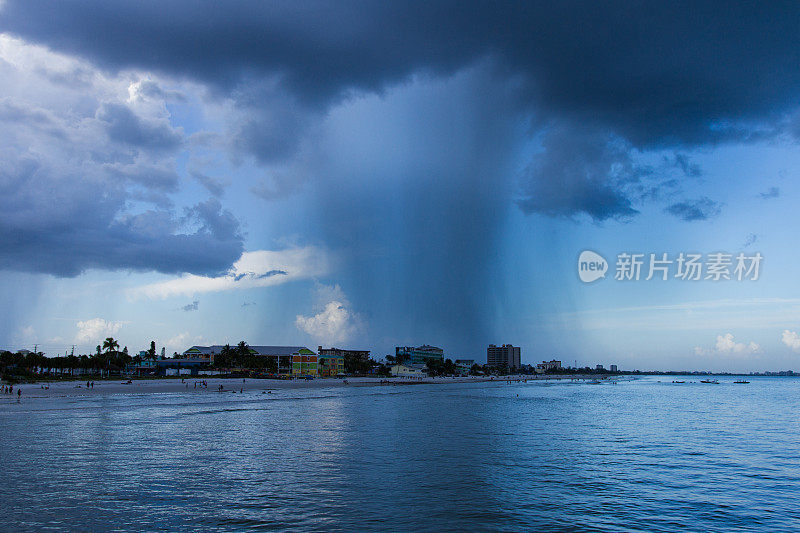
x=408 y=371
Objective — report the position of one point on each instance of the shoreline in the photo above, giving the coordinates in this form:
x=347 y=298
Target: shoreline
x=76 y=388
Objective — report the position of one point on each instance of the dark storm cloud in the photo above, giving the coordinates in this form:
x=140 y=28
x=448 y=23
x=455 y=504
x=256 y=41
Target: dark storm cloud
x=692 y=210
x=579 y=172
x=154 y=178
x=657 y=72
x=80 y=224
x=125 y=127
x=214 y=220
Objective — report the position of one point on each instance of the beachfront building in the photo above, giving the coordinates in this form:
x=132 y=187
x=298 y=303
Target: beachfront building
x=503 y=356
x=330 y=366
x=548 y=366
x=180 y=366
x=331 y=360
x=614 y=368
x=408 y=371
x=419 y=355
x=295 y=360
x=304 y=363
x=464 y=365
x=202 y=353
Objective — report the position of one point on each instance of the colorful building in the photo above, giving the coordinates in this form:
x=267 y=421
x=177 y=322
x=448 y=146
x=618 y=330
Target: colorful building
x=295 y=360
x=331 y=364
x=304 y=362
x=332 y=359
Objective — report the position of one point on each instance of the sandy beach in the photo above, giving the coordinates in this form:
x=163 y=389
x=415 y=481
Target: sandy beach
x=235 y=385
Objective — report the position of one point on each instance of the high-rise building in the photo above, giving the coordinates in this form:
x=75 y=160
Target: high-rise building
x=614 y=368
x=419 y=355
x=505 y=355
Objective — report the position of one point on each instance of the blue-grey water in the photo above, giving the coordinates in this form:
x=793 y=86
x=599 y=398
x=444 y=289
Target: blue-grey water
x=636 y=456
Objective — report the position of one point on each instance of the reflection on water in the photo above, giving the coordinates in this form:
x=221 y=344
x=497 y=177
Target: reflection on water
x=638 y=456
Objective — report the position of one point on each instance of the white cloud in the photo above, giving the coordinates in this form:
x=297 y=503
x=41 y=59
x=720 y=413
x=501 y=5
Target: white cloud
x=261 y=268
x=791 y=339
x=726 y=345
x=335 y=322
x=182 y=341
x=95 y=330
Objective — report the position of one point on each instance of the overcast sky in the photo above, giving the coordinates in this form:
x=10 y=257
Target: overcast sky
x=373 y=174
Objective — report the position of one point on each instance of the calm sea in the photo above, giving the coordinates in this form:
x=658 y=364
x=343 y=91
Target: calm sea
x=636 y=456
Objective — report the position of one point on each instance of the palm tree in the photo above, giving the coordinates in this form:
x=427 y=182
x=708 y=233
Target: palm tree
x=151 y=353
x=110 y=345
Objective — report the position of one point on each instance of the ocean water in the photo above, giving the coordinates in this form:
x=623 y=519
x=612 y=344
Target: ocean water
x=641 y=455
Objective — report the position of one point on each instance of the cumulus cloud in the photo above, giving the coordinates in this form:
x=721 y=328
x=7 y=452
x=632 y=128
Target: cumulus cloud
x=76 y=164
x=192 y=306
x=335 y=322
x=726 y=345
x=791 y=339
x=95 y=330
x=261 y=268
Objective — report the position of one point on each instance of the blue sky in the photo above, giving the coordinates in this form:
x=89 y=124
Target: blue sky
x=367 y=176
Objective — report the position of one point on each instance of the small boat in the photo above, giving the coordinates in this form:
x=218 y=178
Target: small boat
x=674 y=381
x=741 y=381
x=711 y=381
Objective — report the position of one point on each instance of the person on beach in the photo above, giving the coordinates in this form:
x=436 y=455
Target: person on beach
x=19 y=393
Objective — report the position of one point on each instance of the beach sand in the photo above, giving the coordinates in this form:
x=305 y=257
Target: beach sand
x=231 y=385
